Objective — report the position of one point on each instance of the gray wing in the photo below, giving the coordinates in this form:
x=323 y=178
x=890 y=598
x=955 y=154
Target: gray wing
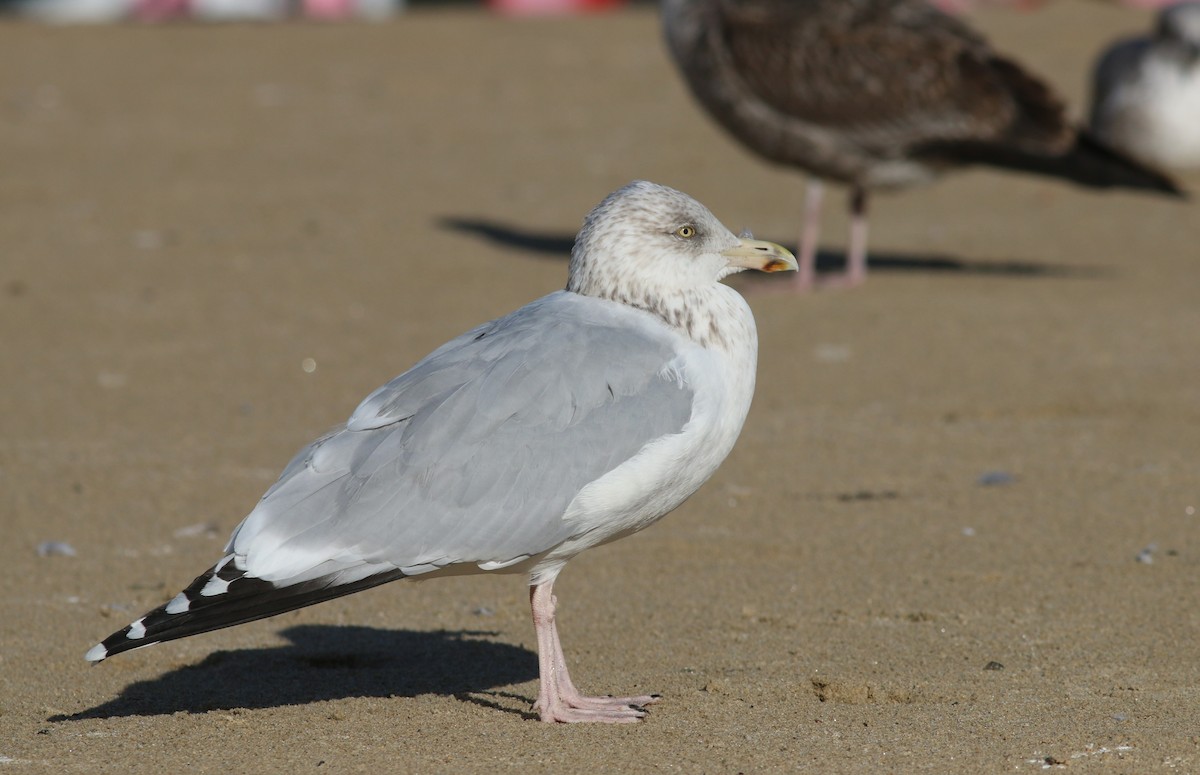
x=889 y=76
x=473 y=455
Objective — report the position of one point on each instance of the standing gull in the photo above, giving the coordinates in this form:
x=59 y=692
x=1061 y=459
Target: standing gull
x=1146 y=92
x=580 y=418
x=877 y=94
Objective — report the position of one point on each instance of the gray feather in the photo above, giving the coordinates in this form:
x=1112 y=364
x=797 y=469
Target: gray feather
x=473 y=455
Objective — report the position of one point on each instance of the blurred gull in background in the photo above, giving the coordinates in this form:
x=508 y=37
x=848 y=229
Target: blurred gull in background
x=877 y=94
x=1146 y=92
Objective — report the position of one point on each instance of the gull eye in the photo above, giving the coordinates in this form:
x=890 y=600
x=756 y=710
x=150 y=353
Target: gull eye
x=687 y=231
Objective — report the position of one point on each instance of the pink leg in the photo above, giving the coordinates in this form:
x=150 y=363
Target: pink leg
x=558 y=699
x=814 y=193
x=856 y=251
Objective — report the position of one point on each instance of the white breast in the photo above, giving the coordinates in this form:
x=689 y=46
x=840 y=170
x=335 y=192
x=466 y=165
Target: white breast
x=1155 y=116
x=667 y=471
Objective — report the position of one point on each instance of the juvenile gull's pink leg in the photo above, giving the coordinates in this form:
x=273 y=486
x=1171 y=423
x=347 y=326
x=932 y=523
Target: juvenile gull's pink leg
x=856 y=251
x=806 y=252
x=558 y=699
x=814 y=193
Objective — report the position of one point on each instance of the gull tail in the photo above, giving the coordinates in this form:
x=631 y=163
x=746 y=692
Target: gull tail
x=224 y=596
x=1089 y=162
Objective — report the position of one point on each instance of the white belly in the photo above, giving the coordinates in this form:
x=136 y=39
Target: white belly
x=667 y=471
x=1157 y=116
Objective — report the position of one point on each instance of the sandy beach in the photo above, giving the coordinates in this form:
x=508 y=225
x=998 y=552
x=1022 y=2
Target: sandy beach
x=958 y=533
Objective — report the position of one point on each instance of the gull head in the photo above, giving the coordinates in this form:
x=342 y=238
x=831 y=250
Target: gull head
x=1180 y=24
x=647 y=242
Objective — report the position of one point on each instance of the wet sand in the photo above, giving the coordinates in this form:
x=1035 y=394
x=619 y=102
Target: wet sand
x=216 y=240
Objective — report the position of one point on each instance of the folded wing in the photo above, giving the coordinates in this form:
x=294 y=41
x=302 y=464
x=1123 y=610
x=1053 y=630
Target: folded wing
x=473 y=455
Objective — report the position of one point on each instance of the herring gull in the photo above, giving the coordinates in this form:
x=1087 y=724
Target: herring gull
x=1146 y=92
x=877 y=94
x=579 y=419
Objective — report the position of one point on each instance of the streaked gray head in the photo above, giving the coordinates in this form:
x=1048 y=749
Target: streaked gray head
x=1181 y=23
x=646 y=238
x=659 y=250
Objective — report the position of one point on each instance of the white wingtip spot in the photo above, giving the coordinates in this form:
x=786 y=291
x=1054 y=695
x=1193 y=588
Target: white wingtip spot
x=179 y=604
x=137 y=630
x=215 y=586
x=96 y=653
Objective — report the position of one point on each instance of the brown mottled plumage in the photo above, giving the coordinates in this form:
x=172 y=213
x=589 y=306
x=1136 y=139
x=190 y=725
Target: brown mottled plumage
x=877 y=94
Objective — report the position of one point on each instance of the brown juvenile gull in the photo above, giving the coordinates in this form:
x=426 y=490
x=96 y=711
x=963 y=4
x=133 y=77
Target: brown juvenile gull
x=1146 y=92
x=579 y=419
x=877 y=94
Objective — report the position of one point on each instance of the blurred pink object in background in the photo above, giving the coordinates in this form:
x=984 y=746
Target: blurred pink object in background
x=551 y=7
x=160 y=10
x=328 y=9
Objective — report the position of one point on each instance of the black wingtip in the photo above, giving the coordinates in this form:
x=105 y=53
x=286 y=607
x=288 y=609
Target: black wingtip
x=245 y=599
x=1094 y=162
x=1089 y=162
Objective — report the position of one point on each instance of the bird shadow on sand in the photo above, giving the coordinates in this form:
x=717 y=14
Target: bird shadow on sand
x=558 y=246
x=325 y=662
